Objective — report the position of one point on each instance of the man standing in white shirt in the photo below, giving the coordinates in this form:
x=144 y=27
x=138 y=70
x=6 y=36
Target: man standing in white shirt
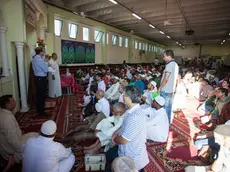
x=113 y=93
x=103 y=104
x=158 y=121
x=101 y=84
x=42 y=154
x=168 y=82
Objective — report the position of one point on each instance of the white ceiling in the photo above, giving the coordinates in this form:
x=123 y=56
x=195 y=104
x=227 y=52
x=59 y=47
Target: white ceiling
x=210 y=19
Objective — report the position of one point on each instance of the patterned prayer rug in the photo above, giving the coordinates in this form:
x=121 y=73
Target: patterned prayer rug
x=178 y=152
x=31 y=121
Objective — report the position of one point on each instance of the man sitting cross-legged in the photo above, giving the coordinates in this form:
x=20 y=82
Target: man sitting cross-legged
x=106 y=128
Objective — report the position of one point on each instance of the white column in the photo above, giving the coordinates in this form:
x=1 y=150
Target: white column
x=21 y=72
x=3 y=50
x=32 y=51
x=42 y=33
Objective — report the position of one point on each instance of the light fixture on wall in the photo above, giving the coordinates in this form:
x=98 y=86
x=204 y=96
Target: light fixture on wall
x=161 y=32
x=113 y=1
x=223 y=40
x=229 y=34
x=168 y=37
x=180 y=44
x=221 y=43
x=151 y=26
x=177 y=42
x=138 y=17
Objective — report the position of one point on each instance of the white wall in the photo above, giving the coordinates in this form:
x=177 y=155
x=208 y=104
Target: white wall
x=192 y=51
x=104 y=53
x=115 y=53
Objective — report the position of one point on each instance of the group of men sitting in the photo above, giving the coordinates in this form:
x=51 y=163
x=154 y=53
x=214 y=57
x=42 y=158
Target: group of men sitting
x=212 y=90
x=122 y=108
x=137 y=114
x=112 y=114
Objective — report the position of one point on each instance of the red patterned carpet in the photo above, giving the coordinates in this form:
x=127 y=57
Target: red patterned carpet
x=181 y=151
x=56 y=109
x=178 y=152
x=172 y=156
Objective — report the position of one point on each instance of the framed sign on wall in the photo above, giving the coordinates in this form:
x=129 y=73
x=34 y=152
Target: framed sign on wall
x=74 y=52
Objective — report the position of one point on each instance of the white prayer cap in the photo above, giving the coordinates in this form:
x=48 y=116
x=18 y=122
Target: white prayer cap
x=98 y=107
x=143 y=75
x=160 y=100
x=227 y=123
x=49 y=127
x=223 y=130
x=153 y=83
x=115 y=77
x=124 y=163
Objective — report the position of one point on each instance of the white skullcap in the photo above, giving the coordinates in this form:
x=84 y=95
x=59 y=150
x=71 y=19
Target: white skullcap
x=98 y=107
x=49 y=127
x=160 y=100
x=115 y=77
x=153 y=83
x=223 y=130
x=143 y=75
x=124 y=164
x=227 y=123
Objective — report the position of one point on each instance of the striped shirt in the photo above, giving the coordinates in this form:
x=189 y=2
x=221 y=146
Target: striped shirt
x=134 y=130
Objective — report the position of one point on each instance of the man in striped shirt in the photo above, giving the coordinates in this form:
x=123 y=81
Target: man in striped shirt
x=131 y=137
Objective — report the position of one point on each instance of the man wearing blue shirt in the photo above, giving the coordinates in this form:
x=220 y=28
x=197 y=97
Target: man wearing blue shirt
x=131 y=137
x=40 y=69
x=139 y=83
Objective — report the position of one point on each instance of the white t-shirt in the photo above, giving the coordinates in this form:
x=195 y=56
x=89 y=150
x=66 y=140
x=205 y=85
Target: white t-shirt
x=103 y=106
x=101 y=86
x=173 y=70
x=157 y=125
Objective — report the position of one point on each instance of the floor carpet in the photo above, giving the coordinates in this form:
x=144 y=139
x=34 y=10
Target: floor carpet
x=172 y=155
x=55 y=108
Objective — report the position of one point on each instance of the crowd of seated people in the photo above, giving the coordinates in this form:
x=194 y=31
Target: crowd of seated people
x=114 y=103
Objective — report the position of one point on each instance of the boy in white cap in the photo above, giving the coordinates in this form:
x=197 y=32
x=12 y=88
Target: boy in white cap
x=42 y=154
x=157 y=120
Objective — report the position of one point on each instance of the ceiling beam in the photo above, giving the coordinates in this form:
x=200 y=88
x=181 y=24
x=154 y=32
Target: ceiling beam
x=76 y=3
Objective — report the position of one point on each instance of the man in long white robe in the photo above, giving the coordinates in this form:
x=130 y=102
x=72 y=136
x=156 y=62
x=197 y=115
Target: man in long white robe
x=54 y=77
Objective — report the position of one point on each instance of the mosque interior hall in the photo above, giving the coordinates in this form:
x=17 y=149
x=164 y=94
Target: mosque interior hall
x=115 y=85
